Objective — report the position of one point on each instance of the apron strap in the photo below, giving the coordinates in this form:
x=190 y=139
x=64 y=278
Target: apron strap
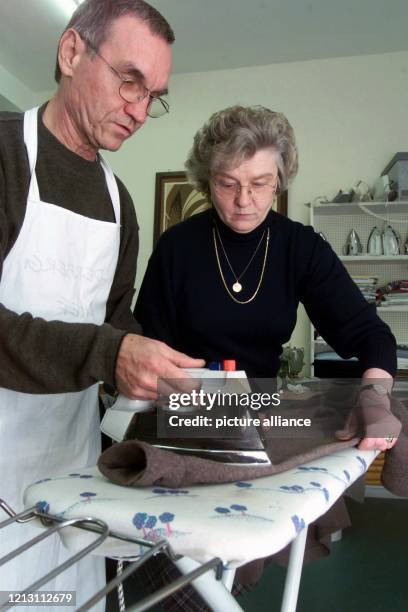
x=112 y=187
x=31 y=143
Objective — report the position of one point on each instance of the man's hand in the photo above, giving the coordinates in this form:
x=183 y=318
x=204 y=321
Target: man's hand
x=141 y=361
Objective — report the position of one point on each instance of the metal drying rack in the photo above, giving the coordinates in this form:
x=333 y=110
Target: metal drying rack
x=56 y=524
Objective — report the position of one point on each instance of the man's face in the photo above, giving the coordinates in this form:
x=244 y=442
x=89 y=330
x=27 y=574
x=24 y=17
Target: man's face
x=103 y=119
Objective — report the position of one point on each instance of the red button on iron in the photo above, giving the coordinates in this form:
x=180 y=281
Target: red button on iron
x=229 y=365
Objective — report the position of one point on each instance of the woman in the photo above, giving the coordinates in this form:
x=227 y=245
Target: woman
x=226 y=283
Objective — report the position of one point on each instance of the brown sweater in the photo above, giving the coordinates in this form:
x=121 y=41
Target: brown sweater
x=38 y=356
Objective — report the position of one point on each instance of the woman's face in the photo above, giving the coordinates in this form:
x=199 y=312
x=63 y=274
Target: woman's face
x=243 y=195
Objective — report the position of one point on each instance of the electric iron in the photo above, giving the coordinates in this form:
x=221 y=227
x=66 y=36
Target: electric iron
x=153 y=422
x=375 y=242
x=390 y=241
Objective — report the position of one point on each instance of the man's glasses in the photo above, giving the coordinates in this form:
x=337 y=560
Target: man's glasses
x=134 y=91
x=231 y=189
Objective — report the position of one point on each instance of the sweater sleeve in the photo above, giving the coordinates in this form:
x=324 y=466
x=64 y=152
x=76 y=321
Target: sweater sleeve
x=39 y=356
x=339 y=311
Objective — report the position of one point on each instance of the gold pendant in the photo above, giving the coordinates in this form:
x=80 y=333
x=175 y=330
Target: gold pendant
x=237 y=287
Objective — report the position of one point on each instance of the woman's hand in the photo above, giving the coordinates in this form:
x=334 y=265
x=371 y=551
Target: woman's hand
x=381 y=427
x=372 y=414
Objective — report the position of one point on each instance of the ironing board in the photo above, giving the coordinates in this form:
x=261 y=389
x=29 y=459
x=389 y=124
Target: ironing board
x=236 y=522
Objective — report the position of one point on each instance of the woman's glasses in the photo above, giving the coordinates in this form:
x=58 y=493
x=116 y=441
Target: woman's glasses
x=231 y=189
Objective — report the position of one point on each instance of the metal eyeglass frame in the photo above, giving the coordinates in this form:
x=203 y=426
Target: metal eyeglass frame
x=139 y=98
x=223 y=190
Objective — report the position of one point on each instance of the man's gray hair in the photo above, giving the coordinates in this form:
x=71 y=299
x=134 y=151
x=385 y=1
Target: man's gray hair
x=235 y=134
x=93 y=18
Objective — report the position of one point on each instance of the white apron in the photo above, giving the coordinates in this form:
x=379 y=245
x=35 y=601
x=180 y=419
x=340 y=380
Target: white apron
x=60 y=268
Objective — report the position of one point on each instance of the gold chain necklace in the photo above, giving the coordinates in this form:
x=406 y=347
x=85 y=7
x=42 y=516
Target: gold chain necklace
x=222 y=275
x=237 y=287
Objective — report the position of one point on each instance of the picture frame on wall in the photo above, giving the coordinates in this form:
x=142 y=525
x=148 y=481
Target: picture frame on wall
x=176 y=200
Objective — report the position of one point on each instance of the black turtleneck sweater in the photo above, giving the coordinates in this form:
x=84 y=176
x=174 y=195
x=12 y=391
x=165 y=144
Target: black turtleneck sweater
x=184 y=302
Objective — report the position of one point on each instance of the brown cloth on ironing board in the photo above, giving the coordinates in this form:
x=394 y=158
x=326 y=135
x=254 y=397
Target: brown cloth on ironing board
x=138 y=464
x=134 y=463
x=394 y=475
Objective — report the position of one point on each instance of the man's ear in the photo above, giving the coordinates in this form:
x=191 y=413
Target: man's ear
x=70 y=48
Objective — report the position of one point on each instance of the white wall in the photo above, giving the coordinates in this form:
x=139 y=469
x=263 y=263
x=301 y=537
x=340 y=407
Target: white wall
x=349 y=115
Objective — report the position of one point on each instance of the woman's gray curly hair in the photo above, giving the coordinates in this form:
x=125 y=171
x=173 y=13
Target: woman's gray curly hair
x=235 y=134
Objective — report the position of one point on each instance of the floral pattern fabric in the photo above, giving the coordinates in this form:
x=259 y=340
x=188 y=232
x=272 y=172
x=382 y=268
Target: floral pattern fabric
x=237 y=522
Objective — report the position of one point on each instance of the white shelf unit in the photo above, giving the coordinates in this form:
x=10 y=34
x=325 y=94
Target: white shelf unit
x=373 y=258
x=336 y=221
x=399 y=207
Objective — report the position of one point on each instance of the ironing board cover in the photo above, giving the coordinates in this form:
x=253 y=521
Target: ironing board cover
x=237 y=522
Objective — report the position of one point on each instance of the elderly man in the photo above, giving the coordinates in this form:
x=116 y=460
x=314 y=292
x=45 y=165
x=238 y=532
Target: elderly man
x=68 y=249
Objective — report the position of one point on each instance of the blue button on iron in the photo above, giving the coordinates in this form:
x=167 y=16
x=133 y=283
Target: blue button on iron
x=215 y=366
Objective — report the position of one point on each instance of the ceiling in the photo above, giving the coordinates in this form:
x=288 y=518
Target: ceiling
x=218 y=34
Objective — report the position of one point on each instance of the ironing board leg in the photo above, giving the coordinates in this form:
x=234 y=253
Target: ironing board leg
x=227 y=579
x=293 y=573
x=211 y=590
